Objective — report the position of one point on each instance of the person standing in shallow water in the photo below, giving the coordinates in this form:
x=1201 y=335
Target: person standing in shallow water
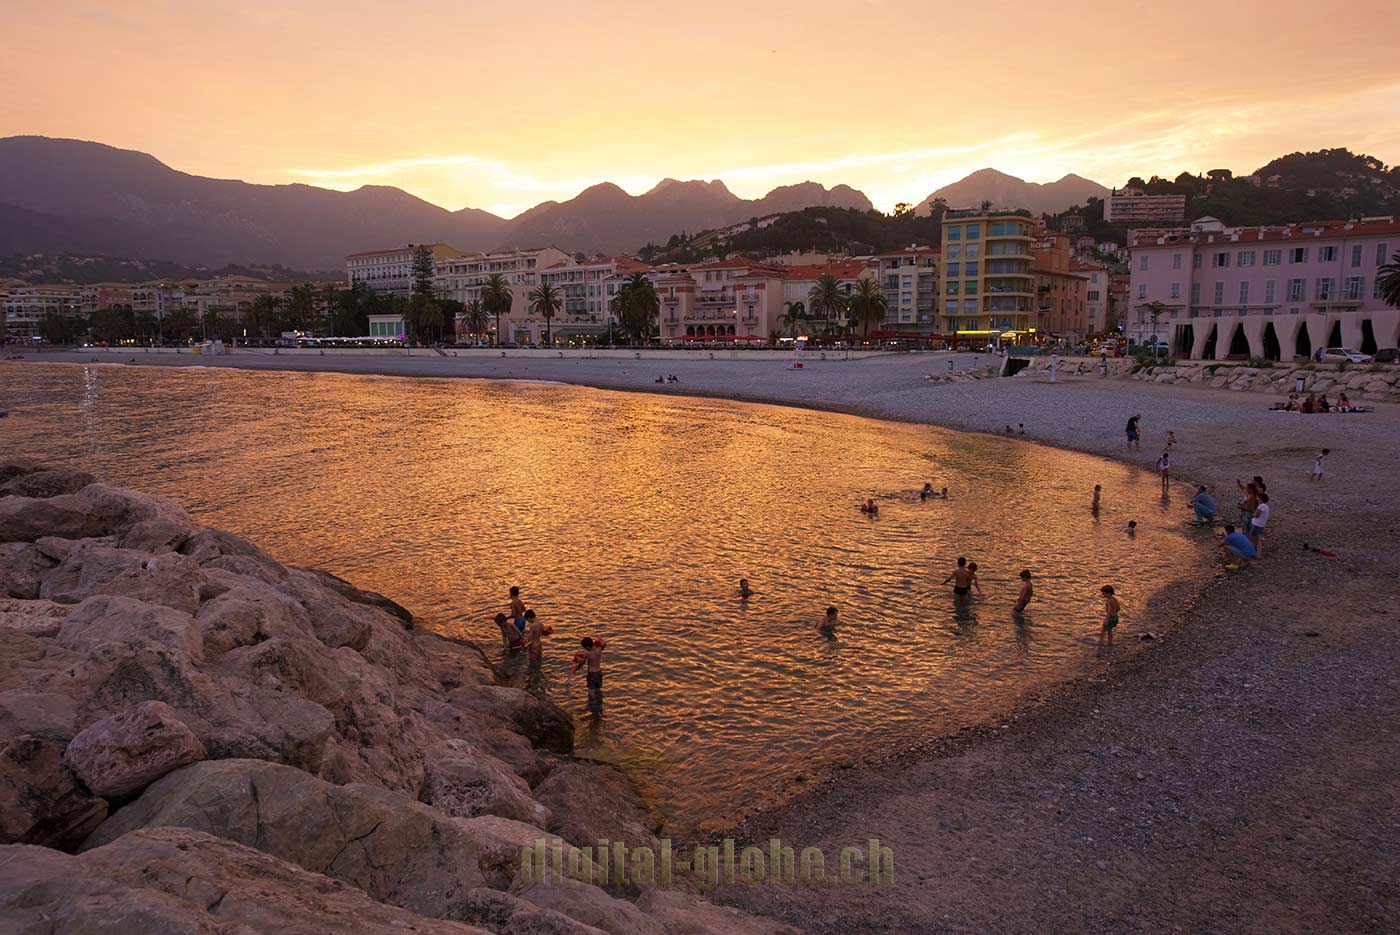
x=1134 y=433
x=1027 y=592
x=961 y=577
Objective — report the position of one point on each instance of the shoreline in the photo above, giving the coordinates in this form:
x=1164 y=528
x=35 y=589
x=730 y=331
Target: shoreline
x=1286 y=613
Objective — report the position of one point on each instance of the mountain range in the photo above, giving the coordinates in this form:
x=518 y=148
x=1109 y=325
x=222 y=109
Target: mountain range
x=75 y=196
x=1007 y=191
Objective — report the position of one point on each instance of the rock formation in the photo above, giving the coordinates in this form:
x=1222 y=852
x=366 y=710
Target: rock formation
x=231 y=744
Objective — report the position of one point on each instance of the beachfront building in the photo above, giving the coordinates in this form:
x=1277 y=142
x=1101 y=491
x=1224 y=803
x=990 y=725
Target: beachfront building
x=1097 y=319
x=27 y=306
x=390 y=271
x=987 y=286
x=586 y=297
x=1060 y=290
x=1134 y=206
x=1275 y=292
x=464 y=276
x=909 y=279
x=798 y=281
x=737 y=300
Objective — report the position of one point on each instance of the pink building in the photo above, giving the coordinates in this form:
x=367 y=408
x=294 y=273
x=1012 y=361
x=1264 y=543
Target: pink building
x=739 y=300
x=1275 y=292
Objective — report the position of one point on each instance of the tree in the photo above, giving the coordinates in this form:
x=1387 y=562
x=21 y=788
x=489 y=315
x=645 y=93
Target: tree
x=496 y=299
x=423 y=271
x=1156 y=310
x=868 y=304
x=113 y=324
x=58 y=328
x=300 y=307
x=475 y=319
x=264 y=315
x=428 y=318
x=546 y=300
x=636 y=307
x=179 y=324
x=827 y=300
x=794 y=313
x=1389 y=279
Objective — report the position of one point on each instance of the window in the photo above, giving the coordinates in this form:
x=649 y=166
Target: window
x=1354 y=287
x=1142 y=290
x=951 y=306
x=969 y=306
x=1298 y=255
x=1176 y=290
x=1381 y=250
x=955 y=233
x=1142 y=262
x=974 y=231
x=1222 y=260
x=1356 y=255
x=951 y=288
x=1324 y=290
x=1295 y=290
x=1195 y=293
x=1272 y=257
x=1219 y=293
x=971 y=269
x=1246 y=258
x=954 y=252
x=1093 y=295
x=953 y=269
x=1269 y=292
x=970 y=287
x=1195 y=261
x=1176 y=261
x=973 y=251
x=1244 y=292
x=1327 y=254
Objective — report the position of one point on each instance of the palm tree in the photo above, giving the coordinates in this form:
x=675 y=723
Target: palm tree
x=264 y=314
x=637 y=306
x=827 y=300
x=545 y=300
x=429 y=317
x=474 y=318
x=496 y=299
x=868 y=304
x=1389 y=280
x=795 y=314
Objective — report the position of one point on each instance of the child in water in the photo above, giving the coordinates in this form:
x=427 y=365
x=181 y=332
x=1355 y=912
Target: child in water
x=1097 y=490
x=1027 y=592
x=535 y=632
x=745 y=592
x=927 y=492
x=1110 y=610
x=972 y=567
x=870 y=507
x=510 y=636
x=517 y=609
x=827 y=625
x=1132 y=527
x=592 y=657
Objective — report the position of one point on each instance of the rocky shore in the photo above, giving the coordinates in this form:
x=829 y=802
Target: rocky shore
x=197 y=738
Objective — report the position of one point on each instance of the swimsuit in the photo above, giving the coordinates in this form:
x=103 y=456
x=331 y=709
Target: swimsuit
x=595 y=681
x=1111 y=622
x=960 y=590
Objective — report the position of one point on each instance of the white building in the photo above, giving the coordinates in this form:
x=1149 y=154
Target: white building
x=391 y=271
x=1134 y=206
x=26 y=307
x=909 y=278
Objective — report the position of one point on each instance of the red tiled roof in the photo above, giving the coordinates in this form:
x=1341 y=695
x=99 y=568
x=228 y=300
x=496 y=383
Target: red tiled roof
x=1268 y=233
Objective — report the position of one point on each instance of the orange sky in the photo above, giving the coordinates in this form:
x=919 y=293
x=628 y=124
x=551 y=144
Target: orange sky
x=501 y=106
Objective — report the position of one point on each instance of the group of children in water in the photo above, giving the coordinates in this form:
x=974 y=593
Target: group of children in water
x=523 y=630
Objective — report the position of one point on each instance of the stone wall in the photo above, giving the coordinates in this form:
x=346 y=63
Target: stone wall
x=1363 y=382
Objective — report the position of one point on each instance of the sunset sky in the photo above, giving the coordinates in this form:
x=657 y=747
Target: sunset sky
x=501 y=106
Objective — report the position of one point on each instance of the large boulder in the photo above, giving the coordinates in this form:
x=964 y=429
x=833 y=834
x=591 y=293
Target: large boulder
x=37 y=618
x=119 y=756
x=505 y=914
x=592 y=906
x=48 y=482
x=357 y=595
x=463 y=782
x=24 y=519
x=542 y=721
x=118 y=622
x=591 y=801
x=171 y=881
x=41 y=801
x=85 y=569
x=22 y=570
x=11 y=468
x=168 y=579
x=115 y=510
x=685 y=914
x=161 y=534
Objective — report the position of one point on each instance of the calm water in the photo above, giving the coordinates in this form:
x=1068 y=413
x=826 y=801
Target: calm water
x=633 y=516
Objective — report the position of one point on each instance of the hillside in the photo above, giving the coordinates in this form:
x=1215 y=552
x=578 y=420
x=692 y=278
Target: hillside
x=1007 y=191
x=826 y=230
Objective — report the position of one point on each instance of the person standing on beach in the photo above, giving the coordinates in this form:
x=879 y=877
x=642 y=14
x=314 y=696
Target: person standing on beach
x=1318 y=464
x=962 y=581
x=1134 y=434
x=1250 y=501
x=1164 y=464
x=1257 y=522
x=1027 y=592
x=1110 y=610
x=1097 y=490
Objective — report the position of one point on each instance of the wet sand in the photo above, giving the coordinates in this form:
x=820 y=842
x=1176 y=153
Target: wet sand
x=1239 y=777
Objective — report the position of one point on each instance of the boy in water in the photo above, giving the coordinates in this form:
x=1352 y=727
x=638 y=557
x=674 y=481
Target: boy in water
x=517 y=609
x=1318 y=464
x=1132 y=527
x=592 y=657
x=962 y=581
x=1164 y=464
x=745 y=592
x=827 y=625
x=510 y=636
x=927 y=492
x=1110 y=610
x=1097 y=490
x=972 y=567
x=535 y=632
x=1027 y=592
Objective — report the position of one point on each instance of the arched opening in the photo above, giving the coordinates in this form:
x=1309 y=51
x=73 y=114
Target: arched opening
x=1272 y=351
x=1302 y=345
x=1185 y=338
x=710 y=331
x=1368 y=337
x=1334 y=337
x=1239 y=344
x=690 y=331
x=1208 y=353
x=731 y=329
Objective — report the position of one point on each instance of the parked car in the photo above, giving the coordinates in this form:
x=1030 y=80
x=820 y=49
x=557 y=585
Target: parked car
x=1346 y=354
x=1386 y=355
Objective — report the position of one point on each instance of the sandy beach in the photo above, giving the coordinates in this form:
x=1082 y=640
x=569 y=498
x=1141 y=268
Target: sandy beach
x=1238 y=777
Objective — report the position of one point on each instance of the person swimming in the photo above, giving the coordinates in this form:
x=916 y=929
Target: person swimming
x=869 y=507
x=927 y=492
x=745 y=592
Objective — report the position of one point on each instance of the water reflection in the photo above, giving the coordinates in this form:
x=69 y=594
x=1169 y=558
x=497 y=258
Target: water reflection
x=633 y=517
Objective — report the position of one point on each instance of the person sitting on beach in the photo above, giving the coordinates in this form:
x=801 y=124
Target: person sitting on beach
x=745 y=591
x=1343 y=404
x=1205 y=506
x=661 y=379
x=672 y=378
x=1110 y=610
x=1322 y=404
x=1010 y=430
x=869 y=507
x=827 y=625
x=1020 y=428
x=510 y=636
x=1310 y=404
x=592 y=657
x=1027 y=592
x=1235 y=545
x=961 y=577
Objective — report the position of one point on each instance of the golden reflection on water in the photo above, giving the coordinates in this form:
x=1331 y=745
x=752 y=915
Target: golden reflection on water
x=633 y=516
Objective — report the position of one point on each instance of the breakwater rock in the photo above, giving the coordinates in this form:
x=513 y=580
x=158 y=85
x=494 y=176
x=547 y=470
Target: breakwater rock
x=196 y=737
